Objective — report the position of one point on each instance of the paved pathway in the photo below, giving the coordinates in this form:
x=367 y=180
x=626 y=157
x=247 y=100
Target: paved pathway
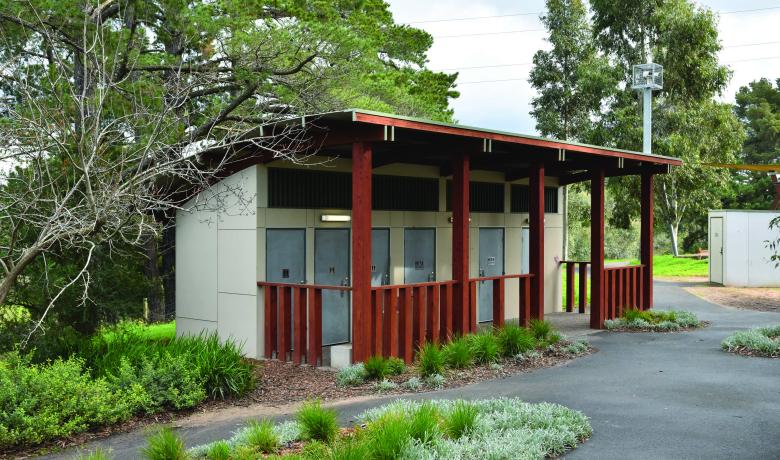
x=649 y=396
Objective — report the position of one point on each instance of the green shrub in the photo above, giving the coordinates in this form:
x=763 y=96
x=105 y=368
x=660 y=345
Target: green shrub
x=395 y=366
x=424 y=423
x=376 y=368
x=385 y=385
x=15 y=322
x=435 y=381
x=461 y=419
x=261 y=437
x=164 y=445
x=39 y=402
x=764 y=341
x=317 y=423
x=457 y=354
x=632 y=314
x=219 y=450
x=553 y=338
x=351 y=375
x=514 y=340
x=540 y=329
x=430 y=360
x=484 y=347
x=388 y=436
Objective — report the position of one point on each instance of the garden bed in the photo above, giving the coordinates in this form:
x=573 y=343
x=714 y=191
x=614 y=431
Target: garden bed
x=493 y=428
x=762 y=341
x=654 y=321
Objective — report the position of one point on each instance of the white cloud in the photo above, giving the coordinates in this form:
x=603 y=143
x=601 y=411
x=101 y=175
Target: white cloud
x=505 y=105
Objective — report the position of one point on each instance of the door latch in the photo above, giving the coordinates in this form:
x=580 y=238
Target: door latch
x=432 y=276
x=345 y=283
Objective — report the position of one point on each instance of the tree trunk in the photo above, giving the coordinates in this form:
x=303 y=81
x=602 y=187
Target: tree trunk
x=673 y=233
x=168 y=252
x=13 y=274
x=152 y=273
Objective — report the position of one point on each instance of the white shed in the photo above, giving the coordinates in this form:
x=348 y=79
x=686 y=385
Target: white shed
x=739 y=252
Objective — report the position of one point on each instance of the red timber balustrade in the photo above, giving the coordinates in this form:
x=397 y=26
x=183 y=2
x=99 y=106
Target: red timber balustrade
x=582 y=281
x=622 y=289
x=293 y=338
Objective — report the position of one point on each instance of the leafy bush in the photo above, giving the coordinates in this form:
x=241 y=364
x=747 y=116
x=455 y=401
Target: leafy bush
x=424 y=423
x=457 y=354
x=15 y=321
x=540 y=329
x=376 y=368
x=352 y=375
x=316 y=422
x=430 y=360
x=164 y=445
x=385 y=385
x=413 y=384
x=460 y=420
x=484 y=347
x=261 y=437
x=43 y=401
x=514 y=339
x=764 y=341
x=577 y=347
x=435 y=381
x=395 y=366
x=653 y=320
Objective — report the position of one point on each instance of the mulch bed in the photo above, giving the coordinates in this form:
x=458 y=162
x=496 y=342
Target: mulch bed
x=281 y=383
x=758 y=299
x=284 y=383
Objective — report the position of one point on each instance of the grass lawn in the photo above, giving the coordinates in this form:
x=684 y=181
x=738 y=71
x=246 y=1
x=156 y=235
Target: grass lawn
x=145 y=332
x=665 y=265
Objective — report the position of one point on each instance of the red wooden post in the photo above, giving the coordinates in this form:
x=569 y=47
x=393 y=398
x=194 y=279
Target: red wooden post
x=361 y=250
x=597 y=310
x=525 y=301
x=536 y=234
x=376 y=318
x=391 y=318
x=473 y=306
x=640 y=293
x=569 y=286
x=446 y=313
x=299 y=319
x=583 y=286
x=315 y=328
x=406 y=324
x=498 y=302
x=271 y=325
x=419 y=316
x=621 y=290
x=284 y=324
x=434 y=315
x=646 y=240
x=460 y=241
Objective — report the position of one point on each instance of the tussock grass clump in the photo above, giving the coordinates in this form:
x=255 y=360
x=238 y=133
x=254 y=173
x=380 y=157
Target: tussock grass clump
x=484 y=347
x=514 y=340
x=458 y=354
x=317 y=423
x=461 y=419
x=540 y=329
x=424 y=424
x=388 y=435
x=220 y=450
x=164 y=445
x=762 y=341
x=376 y=368
x=395 y=366
x=261 y=437
x=430 y=360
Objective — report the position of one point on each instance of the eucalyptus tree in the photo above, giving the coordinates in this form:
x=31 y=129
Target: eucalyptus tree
x=106 y=103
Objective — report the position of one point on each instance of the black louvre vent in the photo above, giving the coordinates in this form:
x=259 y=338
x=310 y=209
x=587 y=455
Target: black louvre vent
x=297 y=188
x=483 y=196
x=520 y=199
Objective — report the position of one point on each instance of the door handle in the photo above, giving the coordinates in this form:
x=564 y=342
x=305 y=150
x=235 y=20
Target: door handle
x=432 y=277
x=345 y=283
x=481 y=274
x=387 y=278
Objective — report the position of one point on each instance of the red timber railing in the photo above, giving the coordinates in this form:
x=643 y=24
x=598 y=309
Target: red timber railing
x=405 y=316
x=294 y=339
x=582 y=272
x=622 y=289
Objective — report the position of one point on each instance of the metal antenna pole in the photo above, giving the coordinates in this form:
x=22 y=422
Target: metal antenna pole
x=647 y=113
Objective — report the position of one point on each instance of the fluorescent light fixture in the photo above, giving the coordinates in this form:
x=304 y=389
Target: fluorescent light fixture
x=335 y=218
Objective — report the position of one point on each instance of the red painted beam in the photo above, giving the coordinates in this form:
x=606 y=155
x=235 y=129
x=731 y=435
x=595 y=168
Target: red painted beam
x=460 y=241
x=597 y=310
x=646 y=241
x=361 y=251
x=536 y=233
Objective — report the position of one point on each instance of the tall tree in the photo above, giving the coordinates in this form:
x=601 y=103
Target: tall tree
x=758 y=108
x=103 y=101
x=687 y=123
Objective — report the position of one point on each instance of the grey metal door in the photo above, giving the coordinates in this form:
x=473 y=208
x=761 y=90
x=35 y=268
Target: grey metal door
x=525 y=257
x=419 y=255
x=716 y=250
x=380 y=256
x=491 y=263
x=285 y=255
x=331 y=268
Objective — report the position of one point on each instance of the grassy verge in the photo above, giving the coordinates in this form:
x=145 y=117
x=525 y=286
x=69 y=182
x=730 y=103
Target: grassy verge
x=763 y=341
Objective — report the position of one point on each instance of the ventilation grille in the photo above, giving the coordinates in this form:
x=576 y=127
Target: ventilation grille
x=483 y=197
x=521 y=199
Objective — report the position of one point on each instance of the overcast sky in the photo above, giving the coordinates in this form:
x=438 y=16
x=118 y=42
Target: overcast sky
x=505 y=105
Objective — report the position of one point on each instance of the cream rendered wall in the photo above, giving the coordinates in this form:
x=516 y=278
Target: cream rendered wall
x=216 y=261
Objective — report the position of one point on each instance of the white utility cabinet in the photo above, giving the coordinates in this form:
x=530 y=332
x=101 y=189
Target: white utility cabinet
x=739 y=252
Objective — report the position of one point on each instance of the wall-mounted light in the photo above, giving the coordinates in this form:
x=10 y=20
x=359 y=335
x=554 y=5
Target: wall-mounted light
x=335 y=218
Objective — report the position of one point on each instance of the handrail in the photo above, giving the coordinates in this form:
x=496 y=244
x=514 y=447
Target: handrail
x=501 y=277
x=414 y=285
x=329 y=287
x=623 y=267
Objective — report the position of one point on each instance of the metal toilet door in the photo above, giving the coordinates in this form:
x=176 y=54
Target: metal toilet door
x=716 y=250
x=380 y=256
x=419 y=255
x=525 y=257
x=491 y=263
x=285 y=255
x=331 y=268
